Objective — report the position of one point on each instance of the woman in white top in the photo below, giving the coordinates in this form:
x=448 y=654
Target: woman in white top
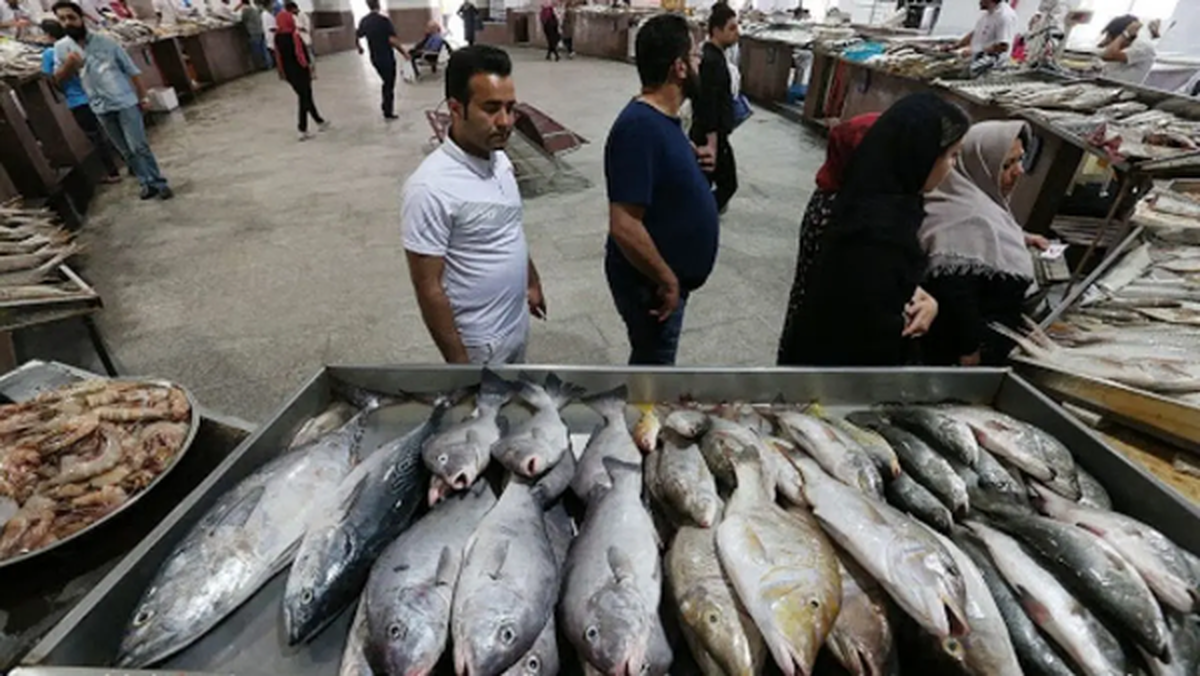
x=1126 y=57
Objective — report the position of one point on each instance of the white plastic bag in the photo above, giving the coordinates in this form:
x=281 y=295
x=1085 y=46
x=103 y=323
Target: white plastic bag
x=407 y=72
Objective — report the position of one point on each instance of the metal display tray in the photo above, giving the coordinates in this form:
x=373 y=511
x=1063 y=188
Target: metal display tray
x=251 y=641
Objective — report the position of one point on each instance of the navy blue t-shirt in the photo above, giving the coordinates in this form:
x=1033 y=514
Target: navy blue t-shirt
x=377 y=28
x=649 y=162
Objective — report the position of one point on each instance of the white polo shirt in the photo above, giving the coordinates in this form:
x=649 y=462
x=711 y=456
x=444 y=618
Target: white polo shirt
x=468 y=211
x=998 y=25
x=1139 y=60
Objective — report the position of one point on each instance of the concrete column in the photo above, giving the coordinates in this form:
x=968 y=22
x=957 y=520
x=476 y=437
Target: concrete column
x=333 y=26
x=411 y=16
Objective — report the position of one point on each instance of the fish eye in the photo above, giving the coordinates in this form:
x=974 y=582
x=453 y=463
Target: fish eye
x=713 y=618
x=443 y=459
x=533 y=664
x=306 y=596
x=507 y=635
x=592 y=634
x=144 y=615
x=814 y=603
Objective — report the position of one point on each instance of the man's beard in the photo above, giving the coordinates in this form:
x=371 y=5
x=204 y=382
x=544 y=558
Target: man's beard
x=76 y=32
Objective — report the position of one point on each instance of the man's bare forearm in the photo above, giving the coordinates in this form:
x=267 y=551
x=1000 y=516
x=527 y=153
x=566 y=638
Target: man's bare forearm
x=639 y=249
x=534 y=277
x=439 y=319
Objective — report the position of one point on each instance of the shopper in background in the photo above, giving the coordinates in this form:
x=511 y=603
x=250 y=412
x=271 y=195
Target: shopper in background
x=1126 y=57
x=292 y=61
x=269 y=27
x=18 y=18
x=77 y=102
x=469 y=14
x=461 y=218
x=429 y=49
x=843 y=140
x=115 y=92
x=549 y=18
x=250 y=16
x=380 y=34
x=863 y=305
x=979 y=263
x=167 y=12
x=712 y=111
x=568 y=26
x=994 y=33
x=663 y=222
x=303 y=29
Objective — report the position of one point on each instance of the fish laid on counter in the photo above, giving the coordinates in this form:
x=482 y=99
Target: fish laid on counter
x=354 y=657
x=408 y=594
x=922 y=463
x=902 y=556
x=543 y=658
x=647 y=429
x=783 y=568
x=717 y=625
x=373 y=505
x=681 y=481
x=1055 y=610
x=910 y=496
x=610 y=439
x=537 y=444
x=248 y=536
x=458 y=454
x=687 y=422
x=1092 y=494
x=1008 y=438
x=726 y=438
x=835 y=451
x=321 y=424
x=507 y=586
x=871 y=441
x=945 y=432
x=612 y=582
x=861 y=638
x=1185 y=647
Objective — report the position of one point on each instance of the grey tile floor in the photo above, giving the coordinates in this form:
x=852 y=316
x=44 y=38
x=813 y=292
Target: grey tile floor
x=277 y=256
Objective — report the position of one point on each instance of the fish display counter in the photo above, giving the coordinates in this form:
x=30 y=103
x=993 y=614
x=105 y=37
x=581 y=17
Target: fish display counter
x=750 y=483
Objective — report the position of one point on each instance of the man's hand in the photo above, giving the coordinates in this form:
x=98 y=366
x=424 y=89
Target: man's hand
x=537 y=302
x=1133 y=29
x=1037 y=242
x=919 y=314
x=706 y=155
x=360 y=49
x=668 y=297
x=144 y=104
x=73 y=60
x=973 y=359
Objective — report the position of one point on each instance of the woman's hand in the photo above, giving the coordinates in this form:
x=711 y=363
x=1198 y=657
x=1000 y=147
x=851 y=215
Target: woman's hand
x=973 y=359
x=919 y=314
x=1037 y=242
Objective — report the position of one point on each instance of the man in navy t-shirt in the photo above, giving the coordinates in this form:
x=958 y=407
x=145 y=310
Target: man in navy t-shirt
x=662 y=240
x=381 y=40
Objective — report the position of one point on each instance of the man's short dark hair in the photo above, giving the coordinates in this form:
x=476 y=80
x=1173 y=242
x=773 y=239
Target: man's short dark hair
x=468 y=62
x=373 y=5
x=53 y=28
x=719 y=16
x=661 y=42
x=1118 y=25
x=67 y=4
x=291 y=6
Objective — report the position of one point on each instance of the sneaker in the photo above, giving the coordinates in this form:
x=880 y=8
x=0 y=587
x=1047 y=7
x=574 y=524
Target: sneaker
x=391 y=116
x=304 y=136
x=149 y=192
x=324 y=126
x=165 y=193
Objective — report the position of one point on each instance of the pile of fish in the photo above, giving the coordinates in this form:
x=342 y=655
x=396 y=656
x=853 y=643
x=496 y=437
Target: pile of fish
x=724 y=538
x=33 y=248
x=18 y=59
x=72 y=456
x=132 y=31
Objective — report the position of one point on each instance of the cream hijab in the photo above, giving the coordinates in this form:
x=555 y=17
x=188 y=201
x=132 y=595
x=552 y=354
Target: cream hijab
x=968 y=225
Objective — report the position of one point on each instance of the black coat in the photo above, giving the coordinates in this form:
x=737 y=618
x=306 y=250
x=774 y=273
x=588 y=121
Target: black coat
x=713 y=108
x=967 y=302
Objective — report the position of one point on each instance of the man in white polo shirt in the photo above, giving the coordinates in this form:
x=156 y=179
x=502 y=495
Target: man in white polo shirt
x=994 y=32
x=461 y=217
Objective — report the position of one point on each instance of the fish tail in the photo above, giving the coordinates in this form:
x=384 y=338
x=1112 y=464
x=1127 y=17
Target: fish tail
x=560 y=391
x=495 y=390
x=1028 y=344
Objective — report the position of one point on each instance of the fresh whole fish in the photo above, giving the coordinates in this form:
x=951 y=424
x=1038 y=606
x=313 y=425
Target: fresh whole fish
x=912 y=566
x=1097 y=572
x=946 y=433
x=1065 y=481
x=990 y=499
x=726 y=438
x=247 y=536
x=613 y=580
x=507 y=586
x=1007 y=437
x=1037 y=656
x=409 y=592
x=537 y=444
x=319 y=425
x=1092 y=493
x=1185 y=647
x=1161 y=563
x=987 y=650
x=354 y=659
x=783 y=568
x=707 y=605
x=646 y=431
x=611 y=439
x=908 y=495
x=861 y=638
x=373 y=505
x=1054 y=609
x=834 y=450
x=993 y=475
x=871 y=441
x=680 y=480
x=924 y=465
x=551 y=485
x=458 y=454
x=688 y=423
x=542 y=659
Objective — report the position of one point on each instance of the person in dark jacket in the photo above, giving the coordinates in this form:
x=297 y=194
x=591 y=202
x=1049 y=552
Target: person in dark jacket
x=979 y=263
x=292 y=61
x=863 y=305
x=469 y=14
x=380 y=34
x=549 y=18
x=712 y=111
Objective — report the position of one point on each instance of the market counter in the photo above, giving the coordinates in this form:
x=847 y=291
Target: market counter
x=20 y=153
x=766 y=69
x=61 y=139
x=603 y=34
x=142 y=56
x=219 y=55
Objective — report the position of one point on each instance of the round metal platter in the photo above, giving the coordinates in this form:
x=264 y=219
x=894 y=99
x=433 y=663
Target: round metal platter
x=193 y=427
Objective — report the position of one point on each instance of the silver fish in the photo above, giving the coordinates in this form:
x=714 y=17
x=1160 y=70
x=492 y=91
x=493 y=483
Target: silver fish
x=679 y=479
x=542 y=658
x=871 y=441
x=1092 y=493
x=945 y=432
x=1185 y=647
x=1052 y=607
x=507 y=586
x=912 y=566
x=374 y=504
x=726 y=438
x=458 y=454
x=906 y=494
x=1098 y=573
x=835 y=451
x=247 y=536
x=1162 y=563
x=354 y=660
x=613 y=581
x=611 y=439
x=537 y=444
x=1066 y=477
x=861 y=638
x=410 y=588
x=688 y=423
x=319 y=425
x=1007 y=437
x=930 y=469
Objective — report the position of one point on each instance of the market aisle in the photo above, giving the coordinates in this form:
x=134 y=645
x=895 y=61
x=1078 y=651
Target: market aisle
x=278 y=256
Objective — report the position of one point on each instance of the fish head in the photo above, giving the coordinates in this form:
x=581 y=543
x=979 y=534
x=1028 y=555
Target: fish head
x=527 y=456
x=494 y=631
x=699 y=505
x=414 y=624
x=151 y=633
x=719 y=628
x=457 y=463
x=314 y=584
x=535 y=663
x=687 y=423
x=615 y=630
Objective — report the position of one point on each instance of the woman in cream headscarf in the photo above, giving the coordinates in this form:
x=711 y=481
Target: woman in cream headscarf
x=980 y=268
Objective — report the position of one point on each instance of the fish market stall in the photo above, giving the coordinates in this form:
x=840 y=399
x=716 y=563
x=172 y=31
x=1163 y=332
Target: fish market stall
x=53 y=580
x=20 y=152
x=179 y=601
x=600 y=31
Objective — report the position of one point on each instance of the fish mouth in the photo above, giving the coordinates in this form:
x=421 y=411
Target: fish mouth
x=461 y=481
x=531 y=467
x=956 y=620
